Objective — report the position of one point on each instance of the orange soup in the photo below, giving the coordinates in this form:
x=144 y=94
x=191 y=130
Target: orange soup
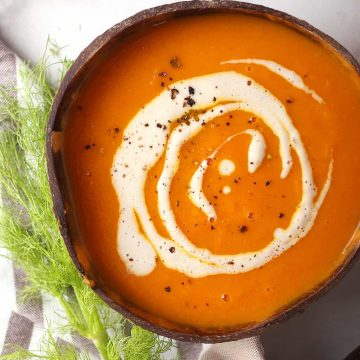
x=213 y=163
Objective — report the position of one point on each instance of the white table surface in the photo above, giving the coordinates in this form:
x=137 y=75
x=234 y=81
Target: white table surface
x=330 y=328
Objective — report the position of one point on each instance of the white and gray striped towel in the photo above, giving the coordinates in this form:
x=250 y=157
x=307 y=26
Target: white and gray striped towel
x=24 y=323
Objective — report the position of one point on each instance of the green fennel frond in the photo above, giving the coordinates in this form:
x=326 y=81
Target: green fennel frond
x=144 y=342
x=30 y=232
x=49 y=350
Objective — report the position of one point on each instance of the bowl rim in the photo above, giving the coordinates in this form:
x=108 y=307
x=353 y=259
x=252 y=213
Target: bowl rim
x=181 y=9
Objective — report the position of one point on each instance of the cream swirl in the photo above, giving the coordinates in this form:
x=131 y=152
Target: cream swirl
x=290 y=76
x=146 y=138
x=226 y=167
x=255 y=157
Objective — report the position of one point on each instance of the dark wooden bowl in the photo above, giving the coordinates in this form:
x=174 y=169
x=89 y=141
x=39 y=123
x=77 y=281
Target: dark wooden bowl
x=58 y=184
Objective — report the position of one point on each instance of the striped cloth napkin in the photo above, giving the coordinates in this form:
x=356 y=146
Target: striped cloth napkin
x=24 y=323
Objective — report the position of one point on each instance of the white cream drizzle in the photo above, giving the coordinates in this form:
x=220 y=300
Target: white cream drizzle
x=226 y=167
x=256 y=155
x=257 y=149
x=144 y=143
x=290 y=76
x=226 y=190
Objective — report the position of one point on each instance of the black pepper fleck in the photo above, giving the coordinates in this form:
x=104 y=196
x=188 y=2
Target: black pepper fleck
x=174 y=93
x=189 y=101
x=175 y=62
x=243 y=228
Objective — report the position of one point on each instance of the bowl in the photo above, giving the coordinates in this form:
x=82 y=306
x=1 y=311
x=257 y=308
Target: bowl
x=60 y=191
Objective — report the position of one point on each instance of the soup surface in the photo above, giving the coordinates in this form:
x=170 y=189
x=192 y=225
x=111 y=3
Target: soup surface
x=213 y=163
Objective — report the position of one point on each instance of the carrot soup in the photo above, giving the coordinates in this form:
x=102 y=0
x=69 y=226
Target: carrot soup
x=213 y=163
